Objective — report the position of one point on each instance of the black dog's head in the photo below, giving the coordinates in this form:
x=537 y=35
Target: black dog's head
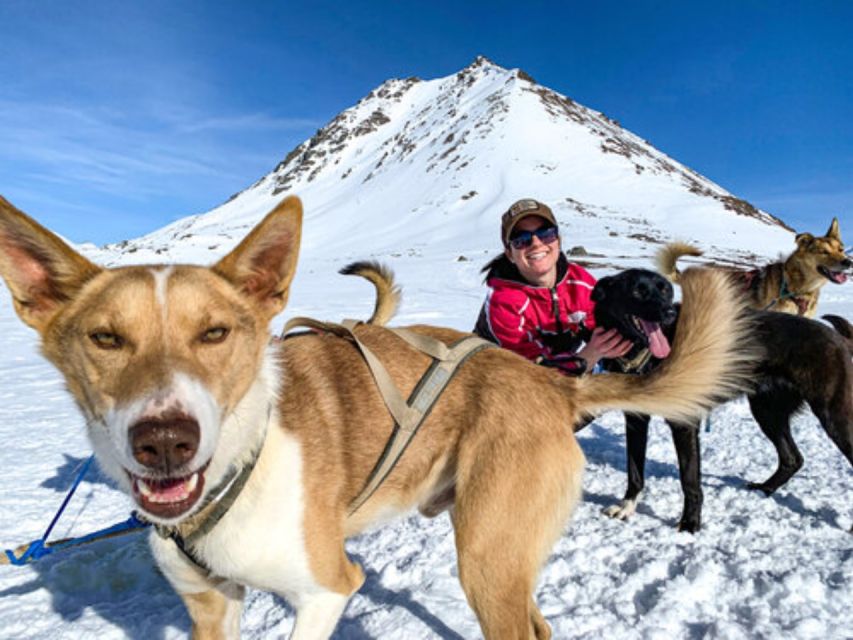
x=638 y=303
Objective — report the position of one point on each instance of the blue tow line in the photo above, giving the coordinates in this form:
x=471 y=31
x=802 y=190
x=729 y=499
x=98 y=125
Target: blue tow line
x=38 y=549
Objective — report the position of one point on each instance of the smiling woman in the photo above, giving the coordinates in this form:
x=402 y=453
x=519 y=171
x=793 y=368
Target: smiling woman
x=540 y=304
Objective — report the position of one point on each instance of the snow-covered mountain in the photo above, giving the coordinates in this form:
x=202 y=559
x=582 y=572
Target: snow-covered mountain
x=437 y=162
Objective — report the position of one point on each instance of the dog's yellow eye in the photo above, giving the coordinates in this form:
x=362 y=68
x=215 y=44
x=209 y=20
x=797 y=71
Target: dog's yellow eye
x=215 y=335
x=107 y=340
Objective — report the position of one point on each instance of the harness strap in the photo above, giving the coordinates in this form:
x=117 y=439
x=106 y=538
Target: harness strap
x=408 y=415
x=190 y=531
x=388 y=390
x=637 y=362
x=423 y=398
x=785 y=293
x=203 y=523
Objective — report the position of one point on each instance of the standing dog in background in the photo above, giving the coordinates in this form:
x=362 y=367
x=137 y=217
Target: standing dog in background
x=805 y=362
x=792 y=286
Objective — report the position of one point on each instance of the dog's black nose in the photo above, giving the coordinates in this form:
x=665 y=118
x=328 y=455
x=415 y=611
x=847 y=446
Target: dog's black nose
x=165 y=444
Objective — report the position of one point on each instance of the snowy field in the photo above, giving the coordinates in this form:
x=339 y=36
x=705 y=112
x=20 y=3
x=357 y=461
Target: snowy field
x=779 y=567
x=422 y=192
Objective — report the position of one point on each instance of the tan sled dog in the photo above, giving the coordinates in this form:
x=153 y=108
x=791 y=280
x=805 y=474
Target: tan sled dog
x=173 y=369
x=792 y=286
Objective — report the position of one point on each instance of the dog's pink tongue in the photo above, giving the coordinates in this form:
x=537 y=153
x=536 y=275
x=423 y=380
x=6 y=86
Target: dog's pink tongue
x=840 y=278
x=169 y=490
x=658 y=344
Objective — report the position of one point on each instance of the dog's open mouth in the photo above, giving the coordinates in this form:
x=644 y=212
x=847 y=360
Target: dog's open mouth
x=838 y=277
x=658 y=344
x=168 y=497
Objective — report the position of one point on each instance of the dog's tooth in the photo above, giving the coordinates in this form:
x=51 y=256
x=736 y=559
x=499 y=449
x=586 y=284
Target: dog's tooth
x=143 y=487
x=193 y=482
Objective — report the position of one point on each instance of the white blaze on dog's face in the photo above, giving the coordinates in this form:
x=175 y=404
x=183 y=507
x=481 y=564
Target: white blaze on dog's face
x=173 y=348
x=166 y=362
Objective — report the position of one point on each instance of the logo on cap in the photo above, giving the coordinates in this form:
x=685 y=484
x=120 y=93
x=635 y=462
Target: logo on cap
x=521 y=206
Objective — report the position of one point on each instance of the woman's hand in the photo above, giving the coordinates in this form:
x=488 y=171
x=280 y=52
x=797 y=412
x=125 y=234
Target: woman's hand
x=604 y=344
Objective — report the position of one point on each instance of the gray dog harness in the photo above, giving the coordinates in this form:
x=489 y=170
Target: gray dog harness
x=408 y=415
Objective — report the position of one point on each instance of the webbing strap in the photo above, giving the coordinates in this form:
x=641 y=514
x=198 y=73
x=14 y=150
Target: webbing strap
x=423 y=398
x=408 y=416
x=218 y=502
x=388 y=390
x=209 y=516
x=637 y=362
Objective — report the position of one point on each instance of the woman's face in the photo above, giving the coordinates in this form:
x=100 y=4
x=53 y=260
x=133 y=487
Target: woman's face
x=537 y=263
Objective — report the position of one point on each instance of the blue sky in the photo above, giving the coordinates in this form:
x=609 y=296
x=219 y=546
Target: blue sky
x=119 y=117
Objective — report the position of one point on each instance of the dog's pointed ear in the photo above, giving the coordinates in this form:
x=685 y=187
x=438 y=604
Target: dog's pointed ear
x=42 y=272
x=803 y=239
x=834 y=231
x=263 y=264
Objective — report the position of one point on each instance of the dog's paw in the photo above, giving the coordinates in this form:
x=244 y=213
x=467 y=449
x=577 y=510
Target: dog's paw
x=689 y=525
x=760 y=486
x=622 y=511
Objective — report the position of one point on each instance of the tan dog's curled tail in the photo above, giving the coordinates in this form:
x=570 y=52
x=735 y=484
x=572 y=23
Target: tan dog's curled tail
x=669 y=255
x=387 y=291
x=712 y=358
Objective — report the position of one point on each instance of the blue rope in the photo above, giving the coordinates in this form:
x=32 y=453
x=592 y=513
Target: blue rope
x=68 y=496
x=39 y=548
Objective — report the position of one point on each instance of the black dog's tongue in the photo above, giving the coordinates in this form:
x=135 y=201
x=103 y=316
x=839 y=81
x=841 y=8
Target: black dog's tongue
x=658 y=344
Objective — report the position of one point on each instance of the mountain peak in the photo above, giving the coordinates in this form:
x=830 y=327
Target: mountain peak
x=424 y=153
x=483 y=61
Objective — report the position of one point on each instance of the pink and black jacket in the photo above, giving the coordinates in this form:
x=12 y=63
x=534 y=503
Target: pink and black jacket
x=538 y=323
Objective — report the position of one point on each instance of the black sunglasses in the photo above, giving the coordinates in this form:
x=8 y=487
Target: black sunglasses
x=524 y=239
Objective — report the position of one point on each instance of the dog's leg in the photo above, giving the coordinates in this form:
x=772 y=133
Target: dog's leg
x=837 y=421
x=636 y=441
x=215 y=613
x=686 y=438
x=512 y=500
x=214 y=605
x=317 y=615
x=773 y=412
x=541 y=629
x=499 y=584
x=319 y=608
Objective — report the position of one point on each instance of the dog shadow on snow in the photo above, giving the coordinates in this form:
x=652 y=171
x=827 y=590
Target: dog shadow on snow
x=65 y=475
x=605 y=447
x=350 y=628
x=117 y=579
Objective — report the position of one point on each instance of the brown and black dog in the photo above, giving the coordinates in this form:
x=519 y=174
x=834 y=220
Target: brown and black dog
x=805 y=362
x=791 y=286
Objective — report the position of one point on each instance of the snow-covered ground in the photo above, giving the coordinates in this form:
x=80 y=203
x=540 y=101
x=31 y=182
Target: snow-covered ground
x=416 y=175
x=778 y=567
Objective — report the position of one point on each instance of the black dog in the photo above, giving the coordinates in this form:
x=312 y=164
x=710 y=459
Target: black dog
x=804 y=361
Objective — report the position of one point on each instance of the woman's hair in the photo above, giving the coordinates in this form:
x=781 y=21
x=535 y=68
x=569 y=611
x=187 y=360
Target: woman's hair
x=501 y=266
x=491 y=264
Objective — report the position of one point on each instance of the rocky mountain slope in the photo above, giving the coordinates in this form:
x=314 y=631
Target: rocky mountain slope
x=421 y=167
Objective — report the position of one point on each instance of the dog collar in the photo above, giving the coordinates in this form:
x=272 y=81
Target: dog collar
x=215 y=506
x=637 y=362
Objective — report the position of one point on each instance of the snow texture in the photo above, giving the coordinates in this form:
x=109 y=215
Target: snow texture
x=416 y=175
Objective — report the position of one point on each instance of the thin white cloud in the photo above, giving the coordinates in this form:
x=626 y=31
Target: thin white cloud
x=125 y=154
x=254 y=121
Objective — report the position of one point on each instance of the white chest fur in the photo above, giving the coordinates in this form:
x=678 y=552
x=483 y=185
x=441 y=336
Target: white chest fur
x=260 y=542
